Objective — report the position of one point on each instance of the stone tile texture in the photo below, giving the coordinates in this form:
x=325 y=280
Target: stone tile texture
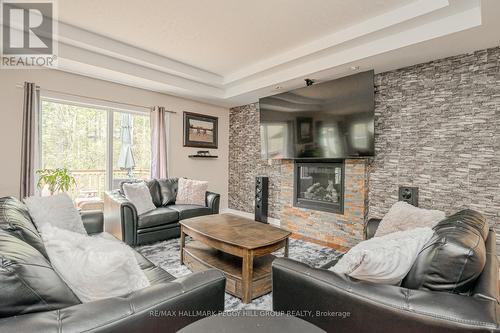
x=437 y=126
x=245 y=162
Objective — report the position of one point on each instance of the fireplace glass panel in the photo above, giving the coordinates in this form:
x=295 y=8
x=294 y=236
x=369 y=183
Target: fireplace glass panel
x=319 y=186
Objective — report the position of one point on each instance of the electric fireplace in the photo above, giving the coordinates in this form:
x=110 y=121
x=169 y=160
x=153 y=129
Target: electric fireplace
x=319 y=186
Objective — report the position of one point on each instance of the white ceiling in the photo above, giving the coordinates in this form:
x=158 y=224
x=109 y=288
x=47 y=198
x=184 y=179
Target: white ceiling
x=219 y=36
x=231 y=52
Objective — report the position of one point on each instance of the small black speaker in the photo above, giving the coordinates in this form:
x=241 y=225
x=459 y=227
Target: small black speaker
x=408 y=194
x=261 y=198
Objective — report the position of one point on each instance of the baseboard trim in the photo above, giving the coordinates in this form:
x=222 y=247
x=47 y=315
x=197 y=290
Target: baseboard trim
x=272 y=221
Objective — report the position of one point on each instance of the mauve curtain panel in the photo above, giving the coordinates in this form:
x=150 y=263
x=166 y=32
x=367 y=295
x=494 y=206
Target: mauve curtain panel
x=31 y=106
x=159 y=142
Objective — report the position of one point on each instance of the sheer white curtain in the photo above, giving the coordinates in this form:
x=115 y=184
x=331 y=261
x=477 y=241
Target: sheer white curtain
x=160 y=123
x=31 y=105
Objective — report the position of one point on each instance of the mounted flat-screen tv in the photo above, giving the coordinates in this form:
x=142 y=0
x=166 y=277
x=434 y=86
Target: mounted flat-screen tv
x=328 y=120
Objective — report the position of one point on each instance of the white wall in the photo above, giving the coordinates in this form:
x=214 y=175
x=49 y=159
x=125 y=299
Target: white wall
x=11 y=100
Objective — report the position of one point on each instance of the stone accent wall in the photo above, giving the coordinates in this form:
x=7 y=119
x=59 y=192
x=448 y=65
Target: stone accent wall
x=437 y=126
x=245 y=162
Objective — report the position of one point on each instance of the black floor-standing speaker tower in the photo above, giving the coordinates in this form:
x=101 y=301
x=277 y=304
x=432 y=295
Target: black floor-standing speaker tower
x=261 y=198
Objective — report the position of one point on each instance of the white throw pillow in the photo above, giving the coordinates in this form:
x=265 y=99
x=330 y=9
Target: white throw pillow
x=191 y=192
x=403 y=216
x=138 y=194
x=93 y=267
x=385 y=259
x=57 y=210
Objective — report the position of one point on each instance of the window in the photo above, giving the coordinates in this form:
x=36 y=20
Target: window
x=99 y=146
x=135 y=152
x=330 y=140
x=274 y=140
x=360 y=138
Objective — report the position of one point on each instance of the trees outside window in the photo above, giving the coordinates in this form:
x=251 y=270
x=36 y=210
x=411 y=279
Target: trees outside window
x=93 y=144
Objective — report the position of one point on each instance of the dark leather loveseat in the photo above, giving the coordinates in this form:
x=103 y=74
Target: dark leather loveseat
x=33 y=298
x=451 y=288
x=122 y=221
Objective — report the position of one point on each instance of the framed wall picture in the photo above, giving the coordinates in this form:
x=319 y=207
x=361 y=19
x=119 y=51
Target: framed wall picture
x=200 y=130
x=304 y=130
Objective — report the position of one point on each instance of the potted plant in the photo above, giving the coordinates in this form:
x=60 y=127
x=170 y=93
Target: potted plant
x=55 y=180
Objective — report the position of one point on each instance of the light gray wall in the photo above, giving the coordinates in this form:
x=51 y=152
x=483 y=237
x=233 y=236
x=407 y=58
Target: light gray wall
x=11 y=100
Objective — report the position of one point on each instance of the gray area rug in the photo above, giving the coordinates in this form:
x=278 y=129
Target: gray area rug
x=166 y=255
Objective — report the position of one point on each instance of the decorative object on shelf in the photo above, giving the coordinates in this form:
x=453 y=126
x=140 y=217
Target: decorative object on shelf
x=200 y=130
x=55 y=180
x=203 y=156
x=202 y=153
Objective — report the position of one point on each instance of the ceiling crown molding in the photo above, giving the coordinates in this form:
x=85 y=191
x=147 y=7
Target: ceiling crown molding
x=377 y=23
x=94 y=55
x=432 y=26
x=86 y=40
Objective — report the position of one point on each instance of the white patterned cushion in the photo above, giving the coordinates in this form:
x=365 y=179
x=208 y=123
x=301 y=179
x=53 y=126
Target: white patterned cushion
x=191 y=192
x=403 y=216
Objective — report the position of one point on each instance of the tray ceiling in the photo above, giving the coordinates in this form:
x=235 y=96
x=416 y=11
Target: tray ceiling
x=230 y=52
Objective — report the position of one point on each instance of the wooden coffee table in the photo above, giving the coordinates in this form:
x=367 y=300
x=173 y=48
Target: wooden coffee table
x=241 y=248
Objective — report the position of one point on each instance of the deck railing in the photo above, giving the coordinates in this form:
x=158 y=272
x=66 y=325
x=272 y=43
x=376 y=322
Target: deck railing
x=92 y=183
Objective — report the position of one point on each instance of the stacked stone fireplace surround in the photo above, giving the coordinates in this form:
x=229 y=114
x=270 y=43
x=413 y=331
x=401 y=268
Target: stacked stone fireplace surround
x=437 y=126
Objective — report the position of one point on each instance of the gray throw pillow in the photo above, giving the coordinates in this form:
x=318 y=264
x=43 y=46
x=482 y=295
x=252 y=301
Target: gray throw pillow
x=57 y=210
x=403 y=216
x=386 y=259
x=152 y=184
x=138 y=194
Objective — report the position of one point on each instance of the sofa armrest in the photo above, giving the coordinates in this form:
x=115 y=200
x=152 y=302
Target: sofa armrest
x=371 y=227
x=120 y=217
x=333 y=262
x=93 y=221
x=486 y=285
x=339 y=304
x=212 y=201
x=165 y=307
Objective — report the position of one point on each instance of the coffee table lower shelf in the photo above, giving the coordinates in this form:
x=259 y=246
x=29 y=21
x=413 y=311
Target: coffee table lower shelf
x=198 y=256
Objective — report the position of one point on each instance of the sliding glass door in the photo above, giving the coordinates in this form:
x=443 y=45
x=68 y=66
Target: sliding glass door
x=131 y=147
x=99 y=146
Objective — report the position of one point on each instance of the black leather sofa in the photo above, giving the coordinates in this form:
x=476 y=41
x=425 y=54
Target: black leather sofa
x=122 y=221
x=452 y=287
x=33 y=298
